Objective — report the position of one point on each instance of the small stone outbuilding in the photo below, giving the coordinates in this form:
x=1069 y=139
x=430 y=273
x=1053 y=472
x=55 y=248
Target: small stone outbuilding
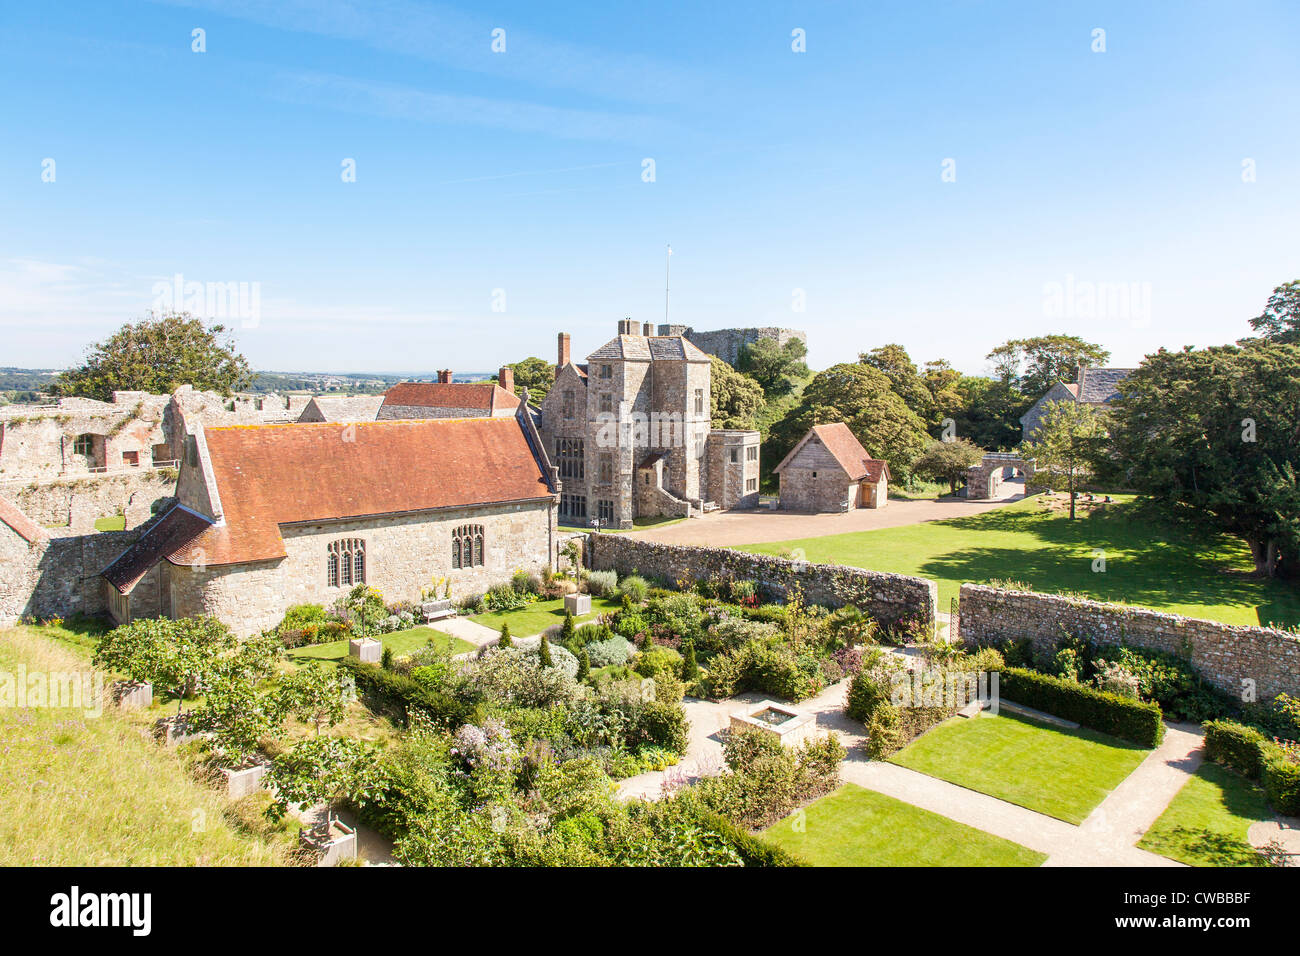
x=829 y=470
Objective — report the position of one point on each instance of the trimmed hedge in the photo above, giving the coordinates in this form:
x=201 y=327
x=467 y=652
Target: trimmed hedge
x=1250 y=753
x=753 y=850
x=1118 y=716
x=1235 y=745
x=394 y=695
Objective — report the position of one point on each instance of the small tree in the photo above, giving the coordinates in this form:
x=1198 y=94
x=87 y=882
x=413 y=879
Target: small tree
x=182 y=656
x=316 y=695
x=1066 y=446
x=584 y=664
x=690 y=669
x=365 y=607
x=948 y=461
x=324 y=769
x=506 y=640
x=567 y=630
x=234 y=710
x=544 y=652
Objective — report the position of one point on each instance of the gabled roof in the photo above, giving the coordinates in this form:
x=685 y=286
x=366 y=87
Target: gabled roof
x=173 y=534
x=269 y=475
x=1097 y=386
x=486 y=396
x=350 y=408
x=23 y=526
x=847 y=451
x=649 y=348
x=1060 y=392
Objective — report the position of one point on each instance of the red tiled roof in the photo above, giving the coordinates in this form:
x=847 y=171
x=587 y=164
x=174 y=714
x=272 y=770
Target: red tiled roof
x=482 y=395
x=26 y=528
x=845 y=448
x=268 y=475
x=172 y=534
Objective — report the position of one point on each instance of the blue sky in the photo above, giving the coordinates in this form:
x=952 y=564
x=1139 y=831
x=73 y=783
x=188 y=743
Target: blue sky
x=780 y=177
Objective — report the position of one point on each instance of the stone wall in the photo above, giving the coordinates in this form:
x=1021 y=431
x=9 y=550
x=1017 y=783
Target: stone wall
x=1225 y=655
x=727 y=343
x=49 y=503
x=885 y=597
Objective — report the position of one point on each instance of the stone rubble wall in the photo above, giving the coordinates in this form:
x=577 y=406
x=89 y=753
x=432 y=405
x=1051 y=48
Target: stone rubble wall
x=888 y=598
x=1226 y=655
x=727 y=343
x=49 y=503
x=59 y=577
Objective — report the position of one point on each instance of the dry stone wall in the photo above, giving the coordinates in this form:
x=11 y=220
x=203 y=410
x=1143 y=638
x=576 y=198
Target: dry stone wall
x=888 y=598
x=49 y=503
x=1227 y=656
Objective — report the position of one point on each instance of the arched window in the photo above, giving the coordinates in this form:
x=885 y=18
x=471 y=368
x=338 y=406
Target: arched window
x=467 y=546
x=345 y=562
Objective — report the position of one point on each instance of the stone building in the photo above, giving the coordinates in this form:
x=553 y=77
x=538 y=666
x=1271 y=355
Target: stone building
x=1093 y=386
x=629 y=433
x=271 y=516
x=727 y=343
x=447 y=399
x=829 y=470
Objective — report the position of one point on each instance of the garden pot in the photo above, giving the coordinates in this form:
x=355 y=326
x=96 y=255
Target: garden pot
x=243 y=781
x=132 y=694
x=174 y=729
x=577 y=604
x=339 y=843
x=367 y=650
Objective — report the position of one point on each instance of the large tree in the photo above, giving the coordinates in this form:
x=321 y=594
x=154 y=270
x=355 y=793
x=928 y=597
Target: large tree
x=735 y=398
x=1034 y=365
x=1280 y=320
x=1215 y=433
x=863 y=398
x=778 y=368
x=948 y=461
x=158 y=354
x=1066 y=446
x=988 y=412
x=535 y=374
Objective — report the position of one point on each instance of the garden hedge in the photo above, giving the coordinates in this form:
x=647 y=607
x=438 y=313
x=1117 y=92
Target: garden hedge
x=1118 y=716
x=1235 y=745
x=1246 y=750
x=395 y=695
x=753 y=850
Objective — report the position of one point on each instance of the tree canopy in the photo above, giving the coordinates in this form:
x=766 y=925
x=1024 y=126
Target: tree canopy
x=159 y=354
x=1034 y=365
x=1218 y=430
x=1280 y=320
x=535 y=374
x=736 y=398
x=1066 y=446
x=777 y=368
x=863 y=398
x=948 y=461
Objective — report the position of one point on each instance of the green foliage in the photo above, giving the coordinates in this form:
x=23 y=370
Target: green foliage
x=584 y=665
x=317 y=694
x=323 y=768
x=178 y=655
x=1280 y=320
x=401 y=698
x=1281 y=770
x=735 y=398
x=948 y=461
x=690 y=667
x=158 y=354
x=1235 y=745
x=544 y=648
x=1118 y=716
x=535 y=374
x=634 y=588
x=657 y=662
x=505 y=639
x=1034 y=365
x=776 y=368
x=1066 y=446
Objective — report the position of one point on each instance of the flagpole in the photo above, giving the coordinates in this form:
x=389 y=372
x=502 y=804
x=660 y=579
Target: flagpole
x=668 y=265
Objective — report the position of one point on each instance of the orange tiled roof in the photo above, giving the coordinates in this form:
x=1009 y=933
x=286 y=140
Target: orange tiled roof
x=268 y=475
x=848 y=451
x=482 y=395
x=26 y=528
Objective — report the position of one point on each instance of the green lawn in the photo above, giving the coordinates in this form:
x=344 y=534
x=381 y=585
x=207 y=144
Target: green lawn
x=1062 y=773
x=111 y=523
x=538 y=617
x=857 y=827
x=1149 y=563
x=1206 y=824
x=400 y=642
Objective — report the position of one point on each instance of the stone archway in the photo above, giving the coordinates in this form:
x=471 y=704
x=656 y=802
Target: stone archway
x=982 y=480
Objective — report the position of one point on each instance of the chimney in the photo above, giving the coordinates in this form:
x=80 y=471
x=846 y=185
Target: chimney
x=627 y=327
x=562 y=359
x=506 y=378
x=646 y=330
x=444 y=376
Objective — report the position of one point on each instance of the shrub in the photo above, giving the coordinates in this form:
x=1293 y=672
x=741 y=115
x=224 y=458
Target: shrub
x=658 y=661
x=602 y=583
x=300 y=615
x=1281 y=767
x=635 y=588
x=515 y=675
x=664 y=725
x=1235 y=745
x=726 y=671
x=525 y=582
x=871 y=687
x=884 y=734
x=611 y=653
x=774 y=669
x=752 y=850
x=395 y=696
x=503 y=597
x=690 y=668
x=1128 y=719
x=505 y=640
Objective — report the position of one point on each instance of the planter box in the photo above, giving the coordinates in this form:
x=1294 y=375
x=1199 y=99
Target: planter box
x=577 y=604
x=174 y=729
x=366 y=649
x=240 y=783
x=790 y=727
x=434 y=610
x=132 y=694
x=339 y=844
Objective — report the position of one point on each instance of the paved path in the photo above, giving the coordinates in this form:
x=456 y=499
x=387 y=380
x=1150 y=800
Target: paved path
x=1105 y=838
x=721 y=529
x=466 y=630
